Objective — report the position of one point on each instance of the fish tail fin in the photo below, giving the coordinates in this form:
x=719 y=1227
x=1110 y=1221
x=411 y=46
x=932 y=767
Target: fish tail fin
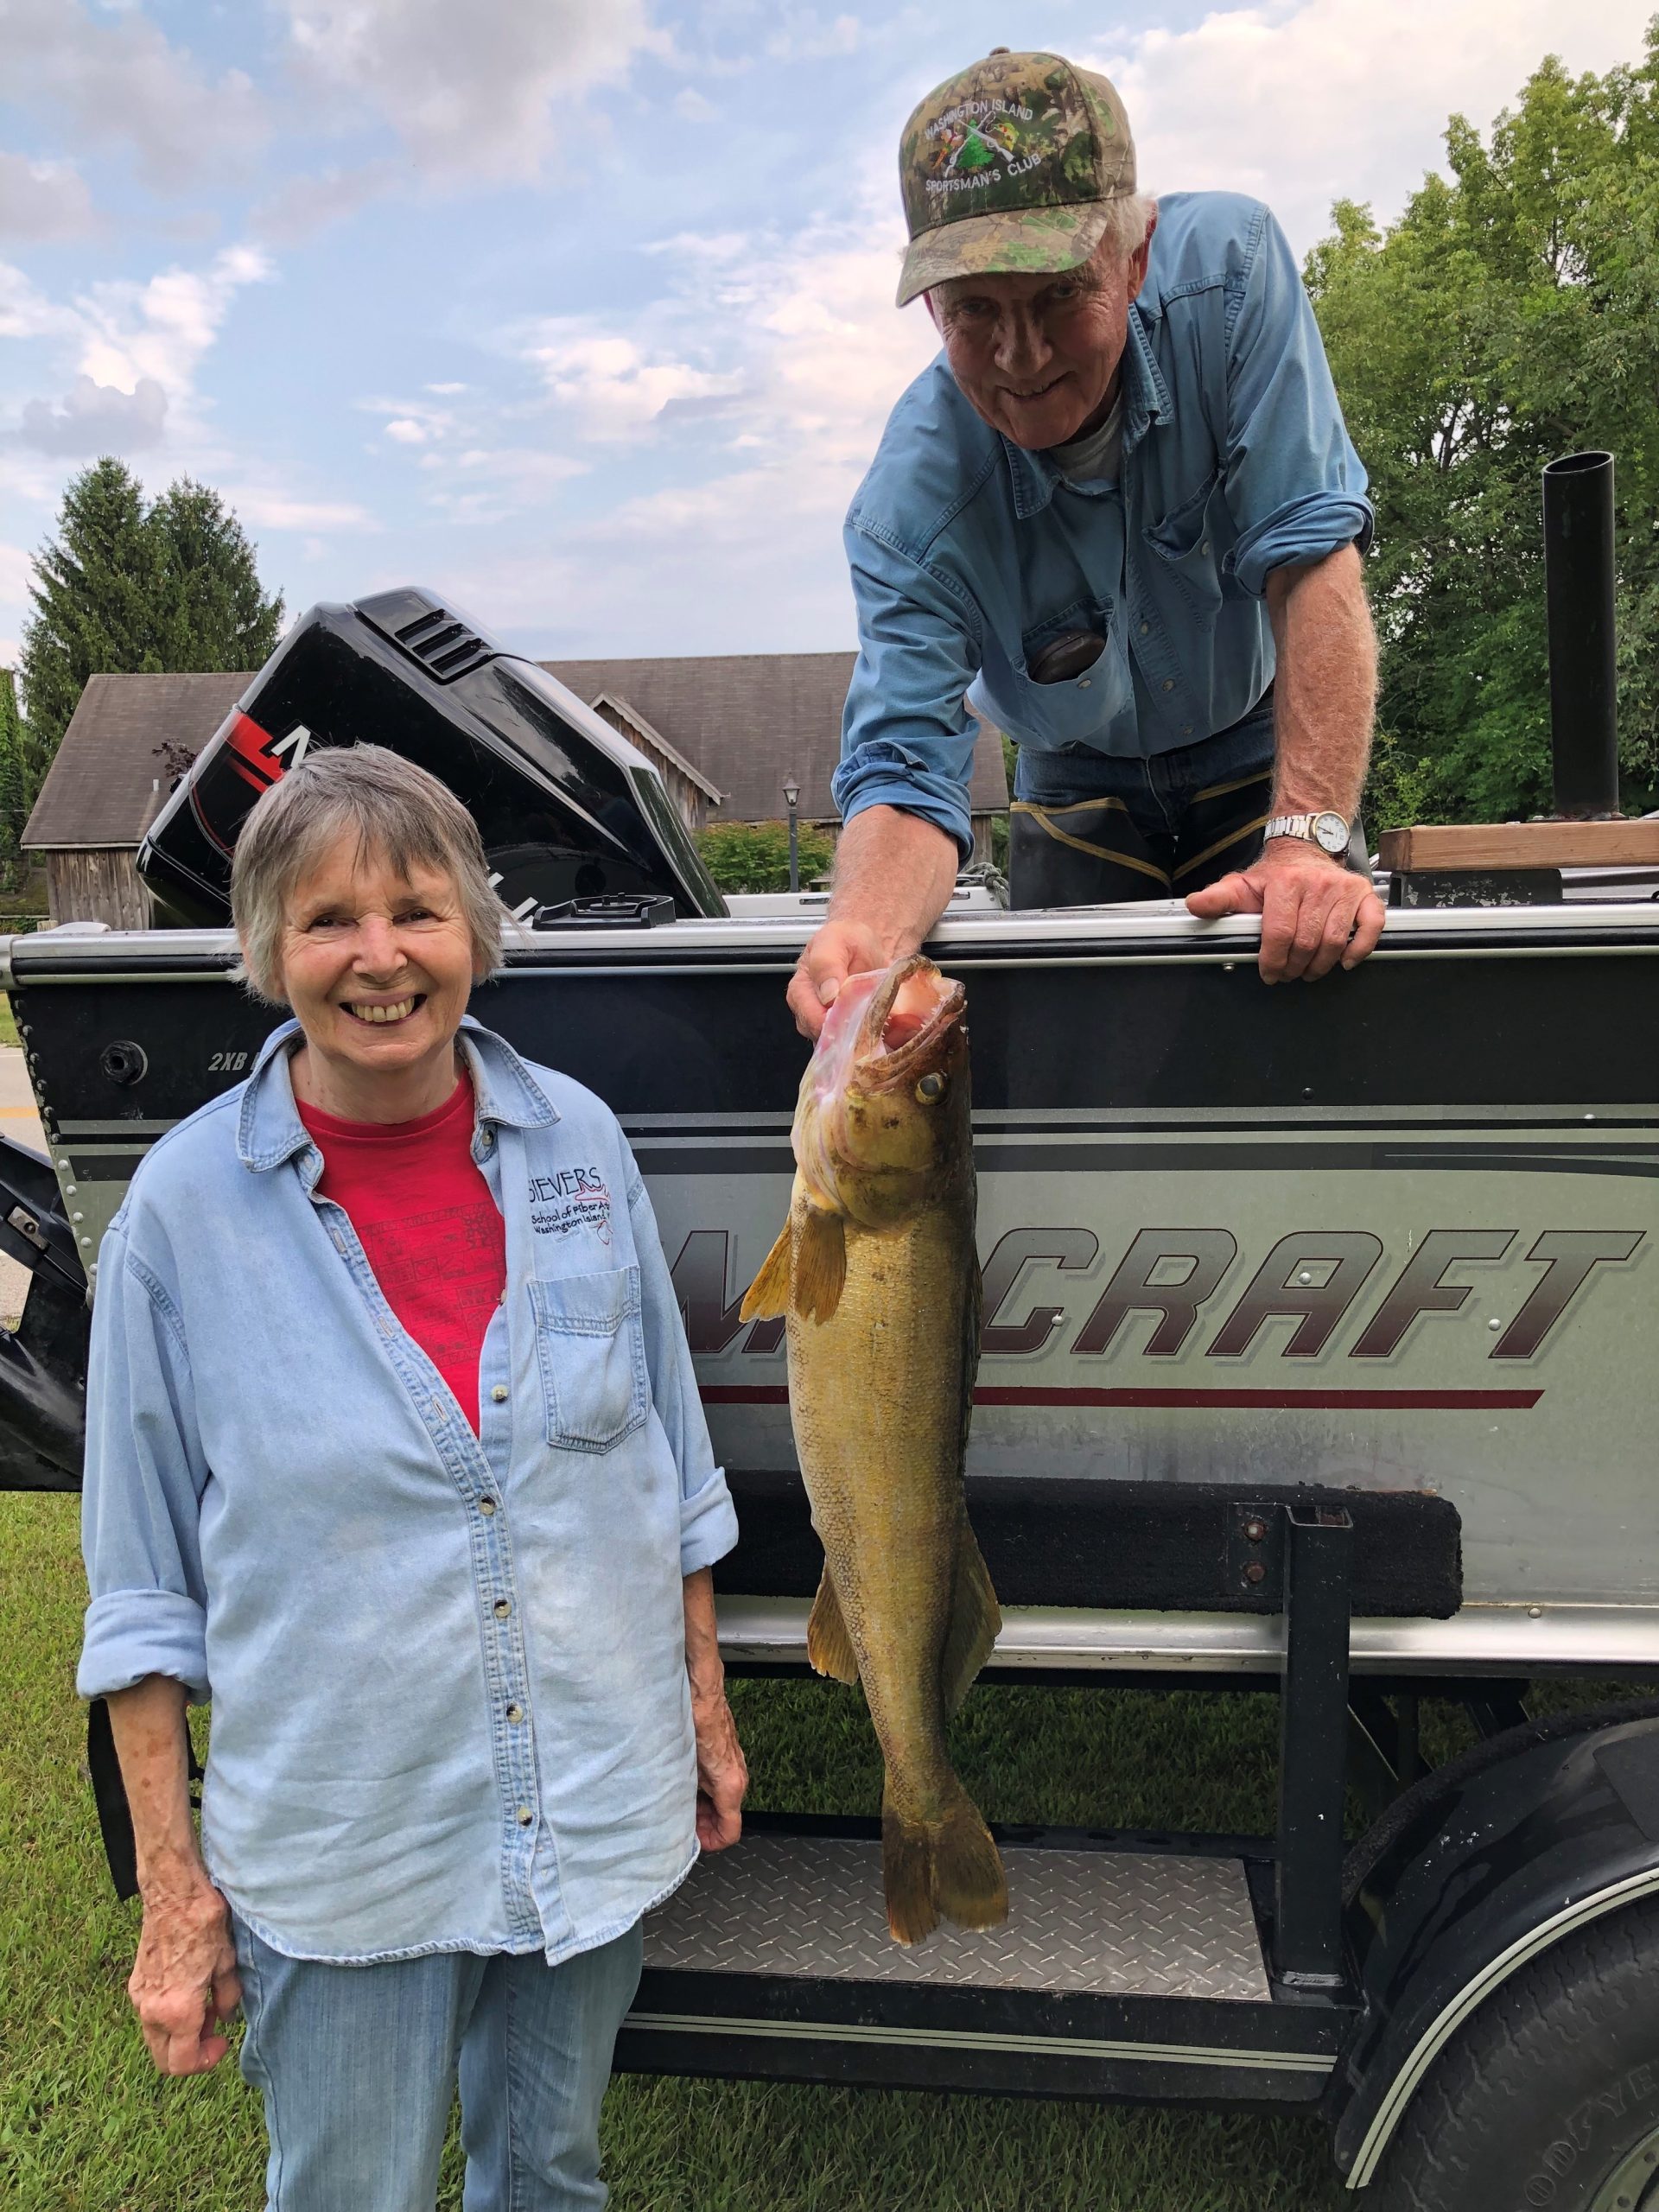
x=907 y=1876
x=976 y=1621
x=820 y=1263
x=829 y=1646
x=969 y=1884
x=951 y=1866
x=767 y=1298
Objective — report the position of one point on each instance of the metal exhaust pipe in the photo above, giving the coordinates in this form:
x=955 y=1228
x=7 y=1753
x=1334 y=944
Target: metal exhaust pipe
x=1579 y=608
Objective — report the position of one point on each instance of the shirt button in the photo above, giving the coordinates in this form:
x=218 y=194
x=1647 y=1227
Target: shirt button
x=1083 y=684
x=501 y=1609
x=1145 y=627
x=1187 y=729
x=1204 y=548
x=486 y=1505
x=488 y=1137
x=515 y=1713
x=1169 y=683
x=499 y=1392
x=525 y=1816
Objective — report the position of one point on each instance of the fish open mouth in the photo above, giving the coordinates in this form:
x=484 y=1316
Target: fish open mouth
x=909 y=1021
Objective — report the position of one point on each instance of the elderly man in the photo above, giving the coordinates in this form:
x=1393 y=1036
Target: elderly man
x=1122 y=517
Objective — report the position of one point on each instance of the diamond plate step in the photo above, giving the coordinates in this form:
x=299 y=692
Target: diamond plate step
x=1119 y=1924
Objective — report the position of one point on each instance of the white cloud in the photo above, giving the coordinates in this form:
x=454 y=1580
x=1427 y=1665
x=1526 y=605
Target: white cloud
x=267 y=508
x=43 y=201
x=162 y=328
x=406 y=432
x=97 y=418
x=122 y=83
x=804 y=35
x=26 y=313
x=618 y=387
x=446 y=391
x=491 y=92
x=694 y=105
x=301 y=206
x=1301 y=104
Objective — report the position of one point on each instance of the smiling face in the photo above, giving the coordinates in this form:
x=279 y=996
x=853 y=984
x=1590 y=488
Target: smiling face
x=1036 y=356
x=378 y=966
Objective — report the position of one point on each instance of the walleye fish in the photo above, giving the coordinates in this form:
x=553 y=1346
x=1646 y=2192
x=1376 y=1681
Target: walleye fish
x=877 y=1274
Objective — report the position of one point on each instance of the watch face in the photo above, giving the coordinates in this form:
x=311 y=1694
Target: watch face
x=1331 y=831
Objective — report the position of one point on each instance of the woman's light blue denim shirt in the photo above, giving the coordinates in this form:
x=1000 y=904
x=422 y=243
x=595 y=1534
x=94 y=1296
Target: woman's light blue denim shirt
x=450 y=1706
x=968 y=555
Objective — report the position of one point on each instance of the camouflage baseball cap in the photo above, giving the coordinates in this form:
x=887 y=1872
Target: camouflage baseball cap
x=1011 y=165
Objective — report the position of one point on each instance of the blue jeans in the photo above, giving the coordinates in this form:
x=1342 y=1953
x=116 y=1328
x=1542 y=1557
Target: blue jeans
x=1092 y=828
x=358 y=2064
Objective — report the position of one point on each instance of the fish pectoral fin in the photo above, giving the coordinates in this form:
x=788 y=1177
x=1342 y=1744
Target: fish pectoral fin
x=975 y=1618
x=767 y=1298
x=829 y=1647
x=820 y=1262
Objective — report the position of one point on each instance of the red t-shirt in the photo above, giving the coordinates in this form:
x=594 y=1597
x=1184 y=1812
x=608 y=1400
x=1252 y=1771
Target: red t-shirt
x=425 y=1219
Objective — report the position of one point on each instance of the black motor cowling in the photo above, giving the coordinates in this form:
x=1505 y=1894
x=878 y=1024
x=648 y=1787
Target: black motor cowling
x=567 y=808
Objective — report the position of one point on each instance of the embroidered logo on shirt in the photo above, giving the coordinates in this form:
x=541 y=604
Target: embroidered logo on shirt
x=577 y=1198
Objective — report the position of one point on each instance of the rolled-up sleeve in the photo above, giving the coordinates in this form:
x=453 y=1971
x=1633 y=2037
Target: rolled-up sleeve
x=142 y=1498
x=907 y=738
x=707 y=1517
x=1295 y=486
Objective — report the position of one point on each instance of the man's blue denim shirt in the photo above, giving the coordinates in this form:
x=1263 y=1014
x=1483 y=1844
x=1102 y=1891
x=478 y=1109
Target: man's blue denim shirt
x=968 y=554
x=450 y=1706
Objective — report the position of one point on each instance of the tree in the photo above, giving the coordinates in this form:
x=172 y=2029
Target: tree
x=1509 y=316
x=754 y=855
x=21 y=769
x=129 y=589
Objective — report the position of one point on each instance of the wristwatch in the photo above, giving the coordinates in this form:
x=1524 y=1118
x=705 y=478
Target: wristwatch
x=1328 y=831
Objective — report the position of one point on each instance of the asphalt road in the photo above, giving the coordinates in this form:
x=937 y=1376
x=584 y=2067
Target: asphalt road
x=18 y=1120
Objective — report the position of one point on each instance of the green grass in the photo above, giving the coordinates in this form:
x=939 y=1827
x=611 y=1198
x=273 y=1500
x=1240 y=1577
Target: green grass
x=86 y=2125
x=7 y=1026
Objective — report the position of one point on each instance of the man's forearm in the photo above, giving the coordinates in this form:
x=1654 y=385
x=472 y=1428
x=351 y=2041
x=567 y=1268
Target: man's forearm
x=148 y=1723
x=1324 y=691
x=894 y=874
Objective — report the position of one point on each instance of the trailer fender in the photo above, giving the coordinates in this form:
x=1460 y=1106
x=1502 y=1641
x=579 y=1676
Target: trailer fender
x=43 y=1359
x=1475 y=1870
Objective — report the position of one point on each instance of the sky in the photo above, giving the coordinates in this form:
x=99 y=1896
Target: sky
x=581 y=311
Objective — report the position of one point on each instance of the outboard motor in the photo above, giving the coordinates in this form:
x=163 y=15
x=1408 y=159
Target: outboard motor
x=568 y=809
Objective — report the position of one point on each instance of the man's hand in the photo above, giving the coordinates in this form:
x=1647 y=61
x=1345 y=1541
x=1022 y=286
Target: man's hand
x=894 y=874
x=1315 y=913
x=722 y=1771
x=184 y=1982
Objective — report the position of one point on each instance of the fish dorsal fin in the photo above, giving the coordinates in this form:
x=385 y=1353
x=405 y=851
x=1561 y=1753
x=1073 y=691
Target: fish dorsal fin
x=820 y=1262
x=767 y=1298
x=976 y=1617
x=829 y=1647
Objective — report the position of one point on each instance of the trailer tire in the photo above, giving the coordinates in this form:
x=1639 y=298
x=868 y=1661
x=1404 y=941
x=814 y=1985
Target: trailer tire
x=1547 y=2100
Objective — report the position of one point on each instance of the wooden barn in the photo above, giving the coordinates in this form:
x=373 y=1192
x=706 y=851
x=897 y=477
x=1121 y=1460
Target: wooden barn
x=727 y=731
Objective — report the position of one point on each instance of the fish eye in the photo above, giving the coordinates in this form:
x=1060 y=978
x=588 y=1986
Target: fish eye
x=930 y=1087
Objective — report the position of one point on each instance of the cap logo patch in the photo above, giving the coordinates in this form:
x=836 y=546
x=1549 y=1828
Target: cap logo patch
x=978 y=143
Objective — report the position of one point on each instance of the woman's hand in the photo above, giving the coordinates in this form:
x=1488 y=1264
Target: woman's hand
x=184 y=1982
x=722 y=1771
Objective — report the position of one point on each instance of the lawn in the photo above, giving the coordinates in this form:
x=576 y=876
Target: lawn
x=87 y=2126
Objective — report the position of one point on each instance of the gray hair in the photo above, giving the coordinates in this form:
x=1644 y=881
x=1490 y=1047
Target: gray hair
x=1126 y=222
x=398 y=812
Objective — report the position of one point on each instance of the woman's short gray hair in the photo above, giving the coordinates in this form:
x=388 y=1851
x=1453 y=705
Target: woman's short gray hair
x=396 y=811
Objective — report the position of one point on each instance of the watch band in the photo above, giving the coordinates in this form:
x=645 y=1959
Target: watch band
x=1306 y=827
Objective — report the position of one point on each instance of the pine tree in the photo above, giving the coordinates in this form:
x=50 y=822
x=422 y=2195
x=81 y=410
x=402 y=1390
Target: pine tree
x=126 y=590
x=19 y=780
x=216 y=615
x=95 y=592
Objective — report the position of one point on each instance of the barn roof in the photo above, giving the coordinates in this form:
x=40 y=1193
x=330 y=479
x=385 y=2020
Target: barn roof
x=741 y=722
x=749 y=720
x=109 y=777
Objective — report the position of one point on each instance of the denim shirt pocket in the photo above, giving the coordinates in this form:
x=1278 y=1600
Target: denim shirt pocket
x=590 y=1346
x=1194 y=545
x=1078 y=706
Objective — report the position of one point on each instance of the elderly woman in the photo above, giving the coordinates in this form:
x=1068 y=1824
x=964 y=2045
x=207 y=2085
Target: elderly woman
x=394 y=1449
